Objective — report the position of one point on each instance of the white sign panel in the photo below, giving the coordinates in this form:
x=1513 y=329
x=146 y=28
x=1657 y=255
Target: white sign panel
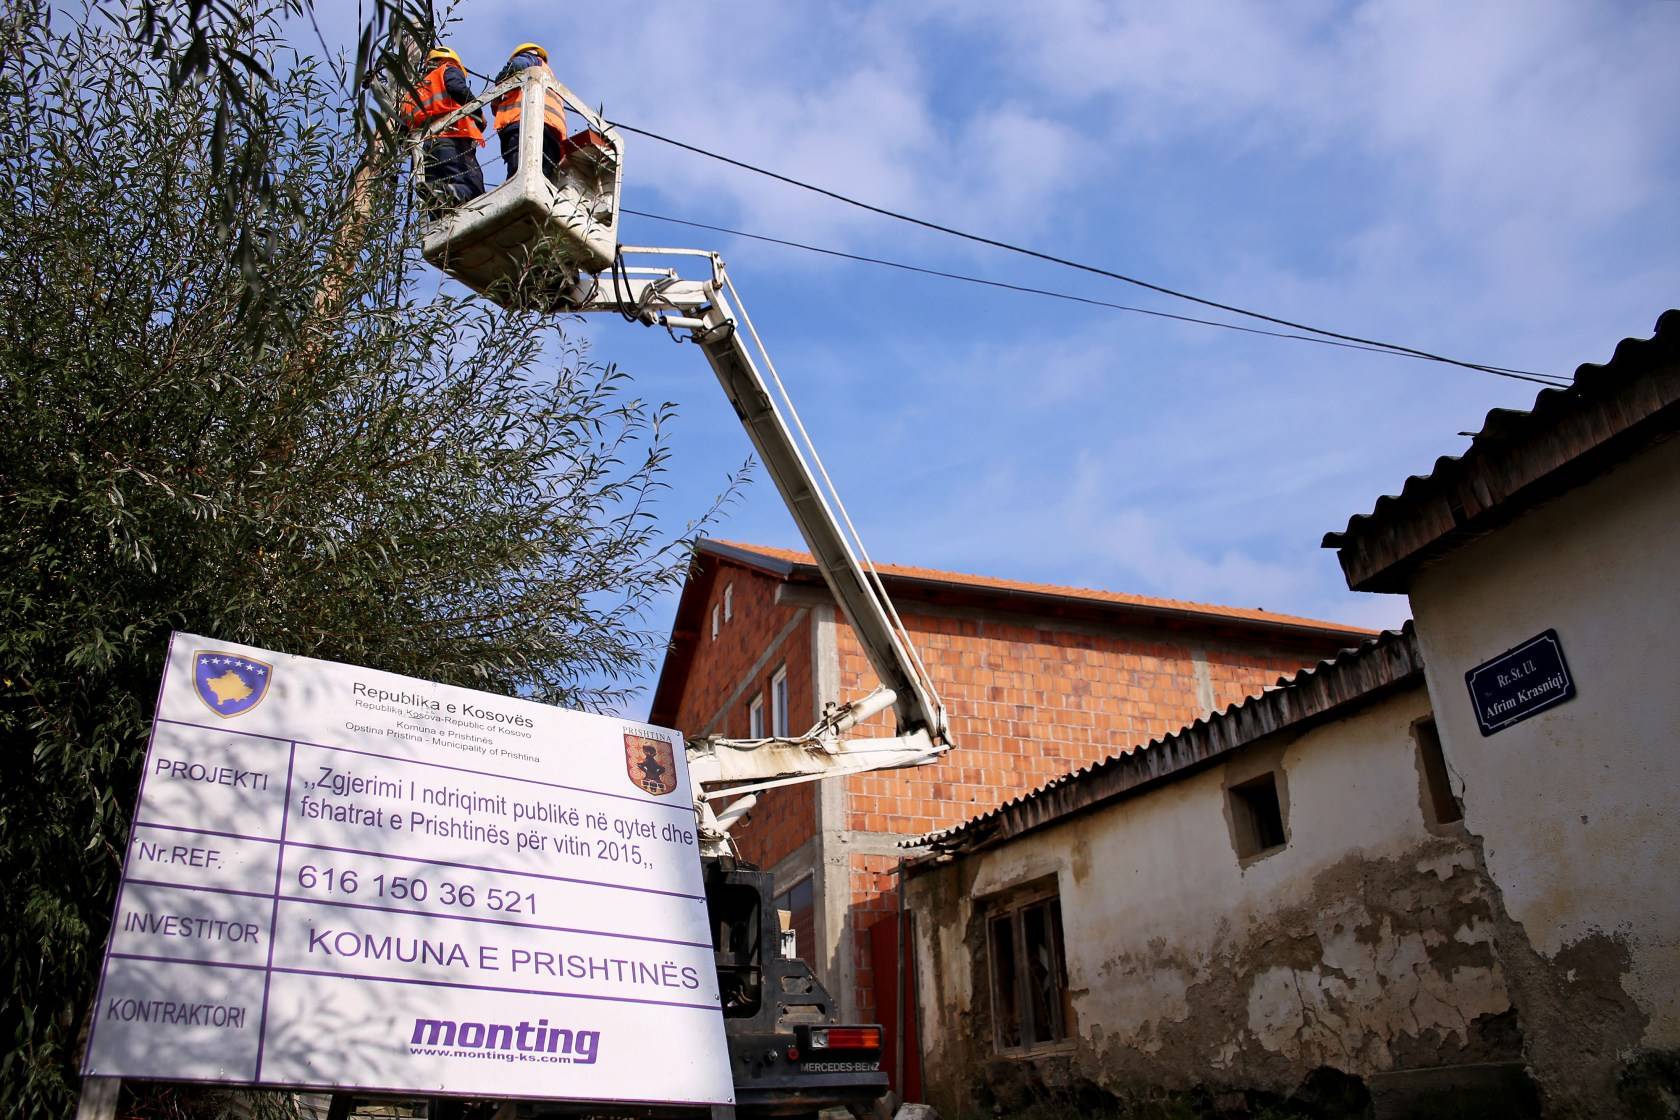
x=342 y=877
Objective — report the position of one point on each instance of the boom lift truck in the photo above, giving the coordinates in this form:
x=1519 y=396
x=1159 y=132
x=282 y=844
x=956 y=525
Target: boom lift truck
x=552 y=245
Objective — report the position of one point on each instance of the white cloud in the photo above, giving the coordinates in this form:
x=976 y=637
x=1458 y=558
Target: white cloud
x=1081 y=529
x=1496 y=111
x=838 y=98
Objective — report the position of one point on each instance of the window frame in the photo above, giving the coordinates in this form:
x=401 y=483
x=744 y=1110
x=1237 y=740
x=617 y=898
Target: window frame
x=779 y=722
x=728 y=602
x=1011 y=911
x=755 y=717
x=1247 y=831
x=716 y=621
x=808 y=880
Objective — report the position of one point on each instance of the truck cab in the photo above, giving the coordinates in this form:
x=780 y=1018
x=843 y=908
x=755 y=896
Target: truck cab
x=789 y=1051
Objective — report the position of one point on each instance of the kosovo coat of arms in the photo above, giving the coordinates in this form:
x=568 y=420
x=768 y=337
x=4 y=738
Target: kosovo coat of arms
x=230 y=684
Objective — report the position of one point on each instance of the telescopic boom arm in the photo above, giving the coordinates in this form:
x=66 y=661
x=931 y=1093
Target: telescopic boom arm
x=709 y=312
x=549 y=243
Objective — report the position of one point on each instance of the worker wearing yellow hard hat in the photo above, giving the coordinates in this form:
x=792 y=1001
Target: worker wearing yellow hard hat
x=451 y=152
x=527 y=56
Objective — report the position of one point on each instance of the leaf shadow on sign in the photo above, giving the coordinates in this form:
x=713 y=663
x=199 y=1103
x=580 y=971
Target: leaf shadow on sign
x=319 y=1030
x=177 y=1021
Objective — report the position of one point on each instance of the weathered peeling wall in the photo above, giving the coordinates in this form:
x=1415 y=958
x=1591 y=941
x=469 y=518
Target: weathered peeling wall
x=1576 y=806
x=1362 y=945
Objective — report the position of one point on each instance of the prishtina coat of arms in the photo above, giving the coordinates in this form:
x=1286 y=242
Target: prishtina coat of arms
x=230 y=685
x=650 y=764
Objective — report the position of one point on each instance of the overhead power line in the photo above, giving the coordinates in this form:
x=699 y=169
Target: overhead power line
x=1522 y=375
x=1353 y=339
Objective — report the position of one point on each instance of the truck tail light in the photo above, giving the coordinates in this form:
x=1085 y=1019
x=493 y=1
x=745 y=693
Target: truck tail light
x=846 y=1038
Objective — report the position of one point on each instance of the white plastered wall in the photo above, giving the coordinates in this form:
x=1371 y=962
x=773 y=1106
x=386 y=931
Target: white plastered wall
x=1181 y=955
x=1577 y=805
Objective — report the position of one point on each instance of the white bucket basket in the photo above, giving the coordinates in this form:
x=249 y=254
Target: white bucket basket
x=527 y=242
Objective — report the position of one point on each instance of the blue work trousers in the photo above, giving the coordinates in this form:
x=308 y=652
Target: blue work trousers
x=551 y=151
x=452 y=168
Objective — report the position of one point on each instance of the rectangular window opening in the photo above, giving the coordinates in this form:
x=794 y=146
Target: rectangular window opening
x=1043 y=975
x=728 y=602
x=755 y=717
x=1066 y=1000
x=799 y=901
x=1443 y=807
x=1005 y=1015
x=779 y=703
x=715 y=622
x=1031 y=1005
x=1257 y=815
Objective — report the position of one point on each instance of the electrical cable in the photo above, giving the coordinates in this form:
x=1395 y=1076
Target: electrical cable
x=1323 y=335
x=1521 y=375
x=618 y=272
x=1068 y=263
x=1545 y=379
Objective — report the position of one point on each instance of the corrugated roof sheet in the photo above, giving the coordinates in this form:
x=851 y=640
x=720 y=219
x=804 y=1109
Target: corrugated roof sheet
x=1309 y=696
x=1518 y=457
x=784 y=558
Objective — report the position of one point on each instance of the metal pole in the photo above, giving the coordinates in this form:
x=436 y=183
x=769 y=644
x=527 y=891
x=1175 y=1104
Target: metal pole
x=99 y=1098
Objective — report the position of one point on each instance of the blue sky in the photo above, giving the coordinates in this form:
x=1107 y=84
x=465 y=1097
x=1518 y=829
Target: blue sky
x=1494 y=180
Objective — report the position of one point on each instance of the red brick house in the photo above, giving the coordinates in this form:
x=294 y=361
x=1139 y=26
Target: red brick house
x=1038 y=680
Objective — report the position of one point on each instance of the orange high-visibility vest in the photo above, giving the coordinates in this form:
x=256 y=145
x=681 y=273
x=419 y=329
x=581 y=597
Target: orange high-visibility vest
x=430 y=100
x=554 y=110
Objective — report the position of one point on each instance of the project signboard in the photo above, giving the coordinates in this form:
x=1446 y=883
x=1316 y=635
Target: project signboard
x=346 y=878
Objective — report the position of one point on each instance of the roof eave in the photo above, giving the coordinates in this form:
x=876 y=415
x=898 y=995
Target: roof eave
x=1518 y=460
x=923 y=589
x=769 y=565
x=1139 y=611
x=1387 y=560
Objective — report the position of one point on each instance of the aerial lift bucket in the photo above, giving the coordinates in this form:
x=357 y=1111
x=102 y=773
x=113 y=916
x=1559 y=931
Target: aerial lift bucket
x=534 y=241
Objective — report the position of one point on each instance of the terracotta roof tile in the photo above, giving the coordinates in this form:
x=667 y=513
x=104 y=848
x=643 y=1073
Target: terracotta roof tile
x=787 y=556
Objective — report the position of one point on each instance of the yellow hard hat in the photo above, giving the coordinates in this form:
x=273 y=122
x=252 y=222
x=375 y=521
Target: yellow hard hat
x=534 y=48
x=442 y=52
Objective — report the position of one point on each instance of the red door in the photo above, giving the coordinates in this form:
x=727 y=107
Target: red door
x=884 y=941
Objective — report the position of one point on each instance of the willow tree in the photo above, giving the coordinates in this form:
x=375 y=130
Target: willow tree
x=246 y=409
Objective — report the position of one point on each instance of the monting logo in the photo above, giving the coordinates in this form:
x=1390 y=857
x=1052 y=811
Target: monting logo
x=504 y=1042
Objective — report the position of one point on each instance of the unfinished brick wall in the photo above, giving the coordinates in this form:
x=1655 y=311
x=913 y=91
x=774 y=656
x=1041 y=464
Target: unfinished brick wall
x=786 y=817
x=1027 y=704
x=783 y=819
x=1239 y=674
